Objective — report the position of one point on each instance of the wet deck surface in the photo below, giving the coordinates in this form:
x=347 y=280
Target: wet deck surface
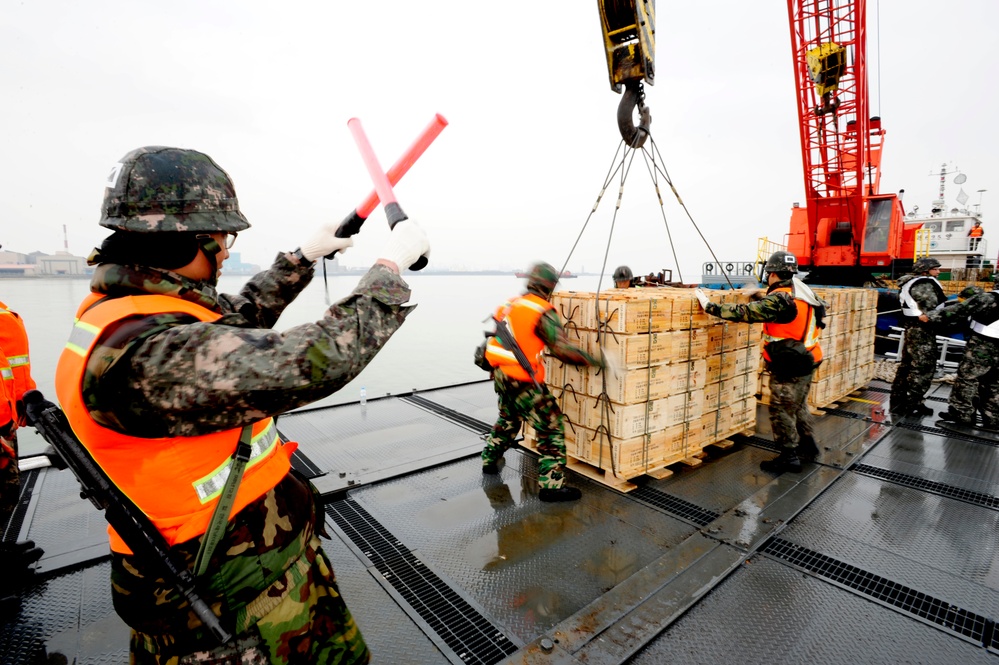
x=884 y=550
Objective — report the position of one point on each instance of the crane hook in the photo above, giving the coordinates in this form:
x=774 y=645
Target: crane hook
x=634 y=96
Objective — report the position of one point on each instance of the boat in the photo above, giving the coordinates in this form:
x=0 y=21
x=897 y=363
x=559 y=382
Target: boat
x=883 y=550
x=943 y=232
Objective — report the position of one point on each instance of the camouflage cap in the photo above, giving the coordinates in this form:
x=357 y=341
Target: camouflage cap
x=542 y=279
x=781 y=261
x=622 y=274
x=970 y=292
x=925 y=264
x=159 y=189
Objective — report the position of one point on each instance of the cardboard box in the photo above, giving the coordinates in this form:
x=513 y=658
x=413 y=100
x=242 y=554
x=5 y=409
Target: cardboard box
x=641 y=312
x=648 y=383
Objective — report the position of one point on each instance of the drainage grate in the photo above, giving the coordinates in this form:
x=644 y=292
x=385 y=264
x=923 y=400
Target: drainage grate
x=947 y=433
x=674 y=505
x=843 y=413
x=926 y=607
x=449 y=414
x=873 y=389
x=977 y=498
x=13 y=527
x=465 y=631
x=759 y=442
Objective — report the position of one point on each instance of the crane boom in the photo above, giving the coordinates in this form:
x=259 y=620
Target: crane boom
x=847 y=228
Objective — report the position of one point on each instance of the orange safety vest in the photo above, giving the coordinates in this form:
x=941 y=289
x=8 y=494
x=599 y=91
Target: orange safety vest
x=803 y=328
x=14 y=343
x=976 y=232
x=522 y=315
x=176 y=480
x=7 y=411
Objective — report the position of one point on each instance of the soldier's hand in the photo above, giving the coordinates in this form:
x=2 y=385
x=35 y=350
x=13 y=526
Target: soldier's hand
x=924 y=318
x=610 y=363
x=325 y=242
x=407 y=243
x=701 y=298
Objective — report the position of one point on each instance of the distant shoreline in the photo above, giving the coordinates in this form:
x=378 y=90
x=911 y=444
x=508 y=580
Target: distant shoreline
x=350 y=271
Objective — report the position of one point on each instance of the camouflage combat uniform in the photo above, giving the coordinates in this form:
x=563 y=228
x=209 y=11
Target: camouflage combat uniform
x=789 y=417
x=919 y=348
x=521 y=401
x=977 y=383
x=268 y=579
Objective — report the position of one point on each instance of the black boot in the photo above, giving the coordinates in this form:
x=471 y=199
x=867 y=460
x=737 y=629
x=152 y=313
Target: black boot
x=9 y=606
x=922 y=410
x=561 y=494
x=785 y=462
x=807 y=450
x=949 y=416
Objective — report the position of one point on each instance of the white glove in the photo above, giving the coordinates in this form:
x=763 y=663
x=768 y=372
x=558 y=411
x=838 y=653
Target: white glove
x=610 y=364
x=324 y=242
x=701 y=298
x=407 y=243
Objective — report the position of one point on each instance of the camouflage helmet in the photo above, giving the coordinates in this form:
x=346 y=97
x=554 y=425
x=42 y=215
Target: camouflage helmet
x=781 y=262
x=156 y=189
x=542 y=279
x=970 y=292
x=622 y=274
x=925 y=264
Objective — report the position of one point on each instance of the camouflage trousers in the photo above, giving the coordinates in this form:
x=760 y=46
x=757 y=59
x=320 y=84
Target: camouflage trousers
x=977 y=379
x=915 y=369
x=789 y=417
x=301 y=619
x=10 y=480
x=519 y=402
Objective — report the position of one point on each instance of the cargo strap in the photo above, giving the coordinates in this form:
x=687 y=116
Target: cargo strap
x=220 y=518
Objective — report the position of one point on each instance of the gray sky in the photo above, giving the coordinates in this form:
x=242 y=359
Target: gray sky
x=266 y=89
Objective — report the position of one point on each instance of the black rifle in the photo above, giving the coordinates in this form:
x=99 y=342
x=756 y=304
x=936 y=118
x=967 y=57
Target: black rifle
x=133 y=525
x=505 y=336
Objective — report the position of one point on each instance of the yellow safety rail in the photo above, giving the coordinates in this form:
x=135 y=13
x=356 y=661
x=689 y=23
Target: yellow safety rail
x=764 y=248
x=922 y=243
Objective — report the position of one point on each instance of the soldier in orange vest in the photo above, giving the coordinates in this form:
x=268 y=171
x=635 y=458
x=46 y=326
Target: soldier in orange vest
x=975 y=235
x=163 y=379
x=534 y=325
x=15 y=380
x=792 y=317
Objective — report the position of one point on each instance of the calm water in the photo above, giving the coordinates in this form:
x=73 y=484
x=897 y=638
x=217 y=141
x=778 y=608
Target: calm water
x=432 y=349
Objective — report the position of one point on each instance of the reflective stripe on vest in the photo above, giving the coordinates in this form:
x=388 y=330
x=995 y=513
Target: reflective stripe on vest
x=522 y=314
x=175 y=480
x=802 y=328
x=909 y=305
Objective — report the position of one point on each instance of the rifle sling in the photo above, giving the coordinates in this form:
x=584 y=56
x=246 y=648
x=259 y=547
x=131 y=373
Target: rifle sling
x=220 y=518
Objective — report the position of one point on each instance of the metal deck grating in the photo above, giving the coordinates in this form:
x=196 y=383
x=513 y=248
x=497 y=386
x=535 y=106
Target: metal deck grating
x=449 y=414
x=471 y=636
x=943 y=489
x=933 y=610
x=675 y=505
x=947 y=433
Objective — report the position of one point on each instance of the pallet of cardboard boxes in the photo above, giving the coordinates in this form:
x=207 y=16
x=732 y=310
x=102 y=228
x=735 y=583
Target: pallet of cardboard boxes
x=685 y=380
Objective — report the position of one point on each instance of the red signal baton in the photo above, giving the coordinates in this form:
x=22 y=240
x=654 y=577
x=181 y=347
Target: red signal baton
x=351 y=224
x=383 y=187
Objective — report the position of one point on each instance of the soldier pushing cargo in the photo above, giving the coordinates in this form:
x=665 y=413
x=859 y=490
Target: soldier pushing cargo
x=792 y=317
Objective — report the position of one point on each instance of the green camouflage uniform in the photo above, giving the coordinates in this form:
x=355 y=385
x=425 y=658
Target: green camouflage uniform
x=520 y=401
x=789 y=417
x=977 y=383
x=172 y=375
x=919 y=349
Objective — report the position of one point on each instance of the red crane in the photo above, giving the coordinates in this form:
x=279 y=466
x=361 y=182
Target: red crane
x=848 y=229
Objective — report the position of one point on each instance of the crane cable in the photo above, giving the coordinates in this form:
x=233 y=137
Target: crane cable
x=621 y=164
